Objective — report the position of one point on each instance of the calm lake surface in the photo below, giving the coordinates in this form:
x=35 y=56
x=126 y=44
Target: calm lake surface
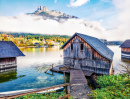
x=30 y=69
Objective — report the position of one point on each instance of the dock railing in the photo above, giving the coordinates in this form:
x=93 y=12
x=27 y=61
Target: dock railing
x=19 y=94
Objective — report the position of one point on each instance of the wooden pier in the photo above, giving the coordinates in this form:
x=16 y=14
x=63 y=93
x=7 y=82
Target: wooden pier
x=56 y=69
x=79 y=88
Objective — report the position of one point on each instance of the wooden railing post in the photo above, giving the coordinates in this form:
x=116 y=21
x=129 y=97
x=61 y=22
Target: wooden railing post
x=19 y=94
x=68 y=89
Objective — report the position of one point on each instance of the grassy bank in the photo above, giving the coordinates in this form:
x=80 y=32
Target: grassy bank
x=42 y=96
x=112 y=87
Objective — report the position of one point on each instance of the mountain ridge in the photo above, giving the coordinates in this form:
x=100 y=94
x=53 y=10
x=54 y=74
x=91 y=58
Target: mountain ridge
x=53 y=14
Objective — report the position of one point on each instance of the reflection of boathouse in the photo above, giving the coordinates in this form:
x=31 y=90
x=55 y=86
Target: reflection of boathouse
x=88 y=53
x=125 y=50
x=8 y=53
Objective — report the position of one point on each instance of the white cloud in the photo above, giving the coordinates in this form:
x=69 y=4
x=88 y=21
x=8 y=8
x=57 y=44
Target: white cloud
x=36 y=24
x=76 y=3
x=55 y=1
x=122 y=30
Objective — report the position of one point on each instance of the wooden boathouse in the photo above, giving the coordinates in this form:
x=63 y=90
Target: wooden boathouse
x=87 y=53
x=125 y=50
x=8 y=55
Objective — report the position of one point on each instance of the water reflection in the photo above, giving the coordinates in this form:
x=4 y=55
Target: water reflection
x=40 y=57
x=41 y=49
x=33 y=65
x=30 y=69
x=9 y=75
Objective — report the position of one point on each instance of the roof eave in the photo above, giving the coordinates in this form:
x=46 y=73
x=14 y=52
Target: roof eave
x=67 y=42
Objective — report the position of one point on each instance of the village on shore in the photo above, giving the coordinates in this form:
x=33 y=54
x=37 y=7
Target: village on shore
x=83 y=56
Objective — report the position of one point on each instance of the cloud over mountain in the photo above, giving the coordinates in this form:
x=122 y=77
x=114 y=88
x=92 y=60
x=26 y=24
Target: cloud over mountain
x=36 y=24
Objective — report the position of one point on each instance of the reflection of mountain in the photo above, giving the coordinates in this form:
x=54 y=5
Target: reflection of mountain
x=9 y=76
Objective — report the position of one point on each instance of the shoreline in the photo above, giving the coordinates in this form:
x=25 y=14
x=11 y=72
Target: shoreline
x=35 y=47
x=28 y=47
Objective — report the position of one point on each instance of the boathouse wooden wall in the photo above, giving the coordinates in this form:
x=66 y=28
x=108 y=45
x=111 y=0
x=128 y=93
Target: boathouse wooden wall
x=125 y=54
x=7 y=64
x=86 y=59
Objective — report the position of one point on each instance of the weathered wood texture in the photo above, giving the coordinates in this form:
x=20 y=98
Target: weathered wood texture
x=125 y=54
x=86 y=59
x=125 y=49
x=49 y=68
x=77 y=77
x=18 y=94
x=64 y=97
x=56 y=69
x=79 y=88
x=7 y=63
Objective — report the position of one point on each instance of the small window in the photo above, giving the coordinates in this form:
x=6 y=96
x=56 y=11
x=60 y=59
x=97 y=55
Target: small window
x=71 y=46
x=82 y=47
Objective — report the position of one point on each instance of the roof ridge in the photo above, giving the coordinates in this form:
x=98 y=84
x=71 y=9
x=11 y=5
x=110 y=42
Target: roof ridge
x=86 y=35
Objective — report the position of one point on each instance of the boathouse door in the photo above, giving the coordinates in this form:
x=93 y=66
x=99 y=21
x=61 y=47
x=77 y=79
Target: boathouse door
x=76 y=53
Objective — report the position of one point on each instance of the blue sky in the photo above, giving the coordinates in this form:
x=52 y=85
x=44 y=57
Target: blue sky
x=112 y=17
x=91 y=10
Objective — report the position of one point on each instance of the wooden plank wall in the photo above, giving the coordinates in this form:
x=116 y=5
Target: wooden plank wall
x=87 y=59
x=125 y=49
x=7 y=63
x=87 y=48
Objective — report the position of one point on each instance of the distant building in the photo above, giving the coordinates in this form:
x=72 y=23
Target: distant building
x=125 y=50
x=88 y=53
x=8 y=53
x=56 y=43
x=36 y=44
x=103 y=41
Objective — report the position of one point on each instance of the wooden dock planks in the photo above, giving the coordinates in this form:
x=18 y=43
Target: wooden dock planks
x=56 y=69
x=79 y=88
x=77 y=77
x=87 y=73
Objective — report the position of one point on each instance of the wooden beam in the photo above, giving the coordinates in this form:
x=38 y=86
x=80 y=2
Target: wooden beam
x=111 y=69
x=66 y=96
x=49 y=68
x=10 y=96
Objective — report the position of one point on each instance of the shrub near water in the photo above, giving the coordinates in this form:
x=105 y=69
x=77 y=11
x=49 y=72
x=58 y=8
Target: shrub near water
x=112 y=87
x=42 y=96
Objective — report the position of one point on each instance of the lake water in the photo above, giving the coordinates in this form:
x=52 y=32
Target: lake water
x=30 y=69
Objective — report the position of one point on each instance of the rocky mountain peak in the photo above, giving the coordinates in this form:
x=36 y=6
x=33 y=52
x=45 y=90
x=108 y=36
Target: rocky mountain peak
x=42 y=8
x=53 y=14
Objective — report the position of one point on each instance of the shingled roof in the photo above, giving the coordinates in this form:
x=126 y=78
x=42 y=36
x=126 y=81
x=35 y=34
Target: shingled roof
x=126 y=44
x=9 y=49
x=96 y=44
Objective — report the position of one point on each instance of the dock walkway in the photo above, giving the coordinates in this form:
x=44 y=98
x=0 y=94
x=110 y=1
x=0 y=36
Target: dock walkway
x=79 y=88
x=56 y=69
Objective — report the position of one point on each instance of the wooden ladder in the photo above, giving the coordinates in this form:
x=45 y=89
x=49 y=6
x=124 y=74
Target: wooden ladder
x=49 y=68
